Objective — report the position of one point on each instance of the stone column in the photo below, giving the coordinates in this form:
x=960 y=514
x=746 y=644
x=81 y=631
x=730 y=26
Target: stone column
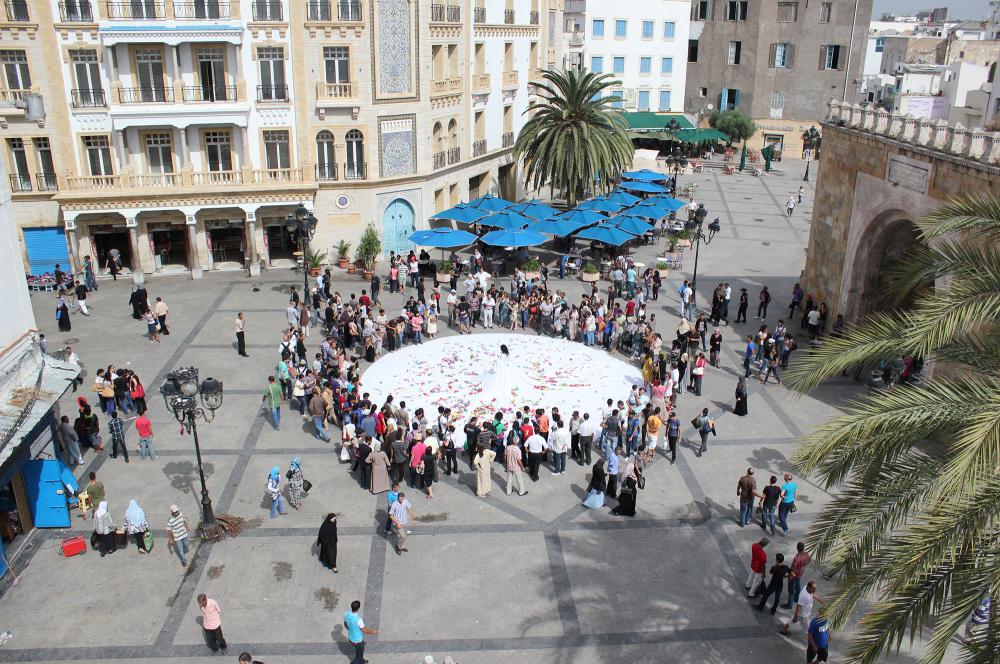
x=185 y=157
x=69 y=221
x=251 y=241
x=133 y=242
x=191 y=222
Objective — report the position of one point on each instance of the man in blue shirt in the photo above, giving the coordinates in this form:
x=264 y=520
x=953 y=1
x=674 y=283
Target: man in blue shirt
x=819 y=640
x=392 y=495
x=356 y=631
x=614 y=461
x=748 y=355
x=787 y=501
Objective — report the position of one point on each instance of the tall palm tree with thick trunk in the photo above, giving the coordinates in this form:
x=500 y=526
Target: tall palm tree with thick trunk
x=913 y=533
x=574 y=138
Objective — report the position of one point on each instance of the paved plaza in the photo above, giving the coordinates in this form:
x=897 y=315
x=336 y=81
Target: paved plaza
x=503 y=579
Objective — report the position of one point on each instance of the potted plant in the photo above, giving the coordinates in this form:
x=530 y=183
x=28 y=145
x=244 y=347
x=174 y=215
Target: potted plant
x=662 y=268
x=343 y=251
x=532 y=269
x=315 y=260
x=444 y=269
x=590 y=272
x=684 y=239
x=369 y=248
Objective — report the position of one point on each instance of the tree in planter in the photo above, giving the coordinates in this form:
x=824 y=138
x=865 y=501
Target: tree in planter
x=531 y=265
x=369 y=248
x=315 y=259
x=343 y=251
x=734 y=124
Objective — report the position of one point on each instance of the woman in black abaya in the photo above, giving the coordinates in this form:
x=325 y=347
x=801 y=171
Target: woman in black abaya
x=741 y=397
x=327 y=541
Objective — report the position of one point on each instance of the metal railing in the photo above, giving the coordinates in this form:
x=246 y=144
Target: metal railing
x=76 y=12
x=140 y=9
x=158 y=95
x=439 y=160
x=273 y=93
x=334 y=90
x=319 y=11
x=454 y=14
x=20 y=182
x=479 y=14
x=454 y=155
x=533 y=17
x=355 y=171
x=17 y=11
x=266 y=10
x=479 y=148
x=84 y=98
x=209 y=93
x=437 y=13
x=47 y=181
x=326 y=172
x=508 y=139
x=508 y=16
x=207 y=9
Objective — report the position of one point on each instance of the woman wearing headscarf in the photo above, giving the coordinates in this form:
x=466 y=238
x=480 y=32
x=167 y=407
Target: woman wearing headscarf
x=274 y=492
x=104 y=529
x=295 y=480
x=482 y=464
x=597 y=486
x=62 y=315
x=379 y=461
x=327 y=542
x=631 y=483
x=135 y=524
x=741 y=397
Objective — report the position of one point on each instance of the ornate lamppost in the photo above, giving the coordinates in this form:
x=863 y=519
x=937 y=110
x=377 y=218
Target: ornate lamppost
x=698 y=236
x=810 y=142
x=301 y=225
x=676 y=161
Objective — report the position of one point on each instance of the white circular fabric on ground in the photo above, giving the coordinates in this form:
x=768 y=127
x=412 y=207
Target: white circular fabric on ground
x=468 y=375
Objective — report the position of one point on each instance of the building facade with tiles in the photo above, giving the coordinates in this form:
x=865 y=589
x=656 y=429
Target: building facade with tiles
x=182 y=132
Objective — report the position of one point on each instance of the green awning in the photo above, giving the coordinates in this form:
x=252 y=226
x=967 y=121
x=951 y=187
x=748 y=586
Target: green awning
x=645 y=120
x=659 y=134
x=701 y=135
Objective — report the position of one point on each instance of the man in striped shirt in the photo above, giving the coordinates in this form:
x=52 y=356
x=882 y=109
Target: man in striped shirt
x=177 y=533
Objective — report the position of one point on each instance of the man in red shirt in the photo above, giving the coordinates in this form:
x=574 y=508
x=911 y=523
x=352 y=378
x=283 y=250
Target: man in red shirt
x=364 y=300
x=758 y=563
x=145 y=430
x=543 y=423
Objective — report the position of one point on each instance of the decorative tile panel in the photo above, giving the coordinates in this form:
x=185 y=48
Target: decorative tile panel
x=395 y=47
x=397 y=137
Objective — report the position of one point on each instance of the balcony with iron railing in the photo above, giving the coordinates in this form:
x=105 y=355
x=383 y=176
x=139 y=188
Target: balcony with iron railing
x=20 y=183
x=454 y=155
x=84 y=98
x=203 y=9
x=533 y=17
x=267 y=11
x=76 y=12
x=441 y=13
x=277 y=94
x=157 y=95
x=508 y=16
x=326 y=172
x=17 y=11
x=481 y=82
x=202 y=93
x=440 y=159
x=508 y=139
x=137 y=10
x=479 y=148
x=47 y=181
x=479 y=14
x=334 y=90
x=355 y=171
x=332 y=10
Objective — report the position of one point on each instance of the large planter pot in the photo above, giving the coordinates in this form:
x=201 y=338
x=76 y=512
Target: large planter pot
x=314 y=271
x=342 y=263
x=532 y=275
x=683 y=244
x=352 y=268
x=590 y=277
x=663 y=273
x=442 y=278
x=367 y=275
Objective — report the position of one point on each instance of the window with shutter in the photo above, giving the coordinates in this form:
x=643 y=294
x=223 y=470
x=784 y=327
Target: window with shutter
x=788 y=12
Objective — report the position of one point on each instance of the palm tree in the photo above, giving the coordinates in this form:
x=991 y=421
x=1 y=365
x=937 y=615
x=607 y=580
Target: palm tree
x=915 y=526
x=574 y=138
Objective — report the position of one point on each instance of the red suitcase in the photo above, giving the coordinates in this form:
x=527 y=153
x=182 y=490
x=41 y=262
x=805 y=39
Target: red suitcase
x=73 y=546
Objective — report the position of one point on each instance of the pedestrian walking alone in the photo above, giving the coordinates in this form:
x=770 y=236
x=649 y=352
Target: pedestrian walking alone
x=241 y=340
x=356 y=632
x=211 y=624
x=177 y=533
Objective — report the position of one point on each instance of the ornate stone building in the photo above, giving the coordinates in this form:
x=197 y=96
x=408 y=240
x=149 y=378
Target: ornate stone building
x=181 y=132
x=879 y=173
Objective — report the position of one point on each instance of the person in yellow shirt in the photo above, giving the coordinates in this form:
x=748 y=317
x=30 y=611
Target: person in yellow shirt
x=653 y=423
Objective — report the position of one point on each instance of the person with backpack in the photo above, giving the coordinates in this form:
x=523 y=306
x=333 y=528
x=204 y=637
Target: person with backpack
x=705 y=426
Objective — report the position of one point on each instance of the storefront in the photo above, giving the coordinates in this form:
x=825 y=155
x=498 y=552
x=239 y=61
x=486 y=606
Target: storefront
x=168 y=243
x=777 y=143
x=106 y=237
x=45 y=248
x=226 y=243
x=278 y=242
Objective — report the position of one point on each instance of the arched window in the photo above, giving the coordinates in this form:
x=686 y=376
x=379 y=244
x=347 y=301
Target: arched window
x=355 y=166
x=436 y=137
x=453 y=133
x=326 y=161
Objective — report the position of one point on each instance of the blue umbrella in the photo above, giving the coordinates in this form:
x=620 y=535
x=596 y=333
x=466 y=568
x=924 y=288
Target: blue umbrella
x=646 y=175
x=665 y=201
x=534 y=209
x=513 y=238
x=583 y=217
x=557 y=226
x=506 y=220
x=633 y=225
x=442 y=238
x=623 y=197
x=647 y=187
x=649 y=211
x=600 y=205
x=606 y=233
x=490 y=203
x=462 y=213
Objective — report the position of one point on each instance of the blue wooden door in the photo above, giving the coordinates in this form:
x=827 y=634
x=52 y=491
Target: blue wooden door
x=43 y=482
x=397 y=227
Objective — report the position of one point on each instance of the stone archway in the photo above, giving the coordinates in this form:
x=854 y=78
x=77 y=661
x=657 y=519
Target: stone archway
x=890 y=236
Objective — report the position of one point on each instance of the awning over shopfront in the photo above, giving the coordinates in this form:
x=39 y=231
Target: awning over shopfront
x=686 y=135
x=648 y=121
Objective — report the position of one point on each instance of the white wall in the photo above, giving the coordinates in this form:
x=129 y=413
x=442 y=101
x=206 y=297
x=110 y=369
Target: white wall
x=873 y=58
x=966 y=77
x=634 y=47
x=18 y=317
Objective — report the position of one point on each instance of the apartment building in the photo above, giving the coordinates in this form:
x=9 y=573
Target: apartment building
x=778 y=62
x=182 y=132
x=642 y=43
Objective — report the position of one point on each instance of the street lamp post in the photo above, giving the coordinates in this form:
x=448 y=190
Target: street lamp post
x=179 y=389
x=810 y=139
x=676 y=161
x=698 y=236
x=301 y=225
